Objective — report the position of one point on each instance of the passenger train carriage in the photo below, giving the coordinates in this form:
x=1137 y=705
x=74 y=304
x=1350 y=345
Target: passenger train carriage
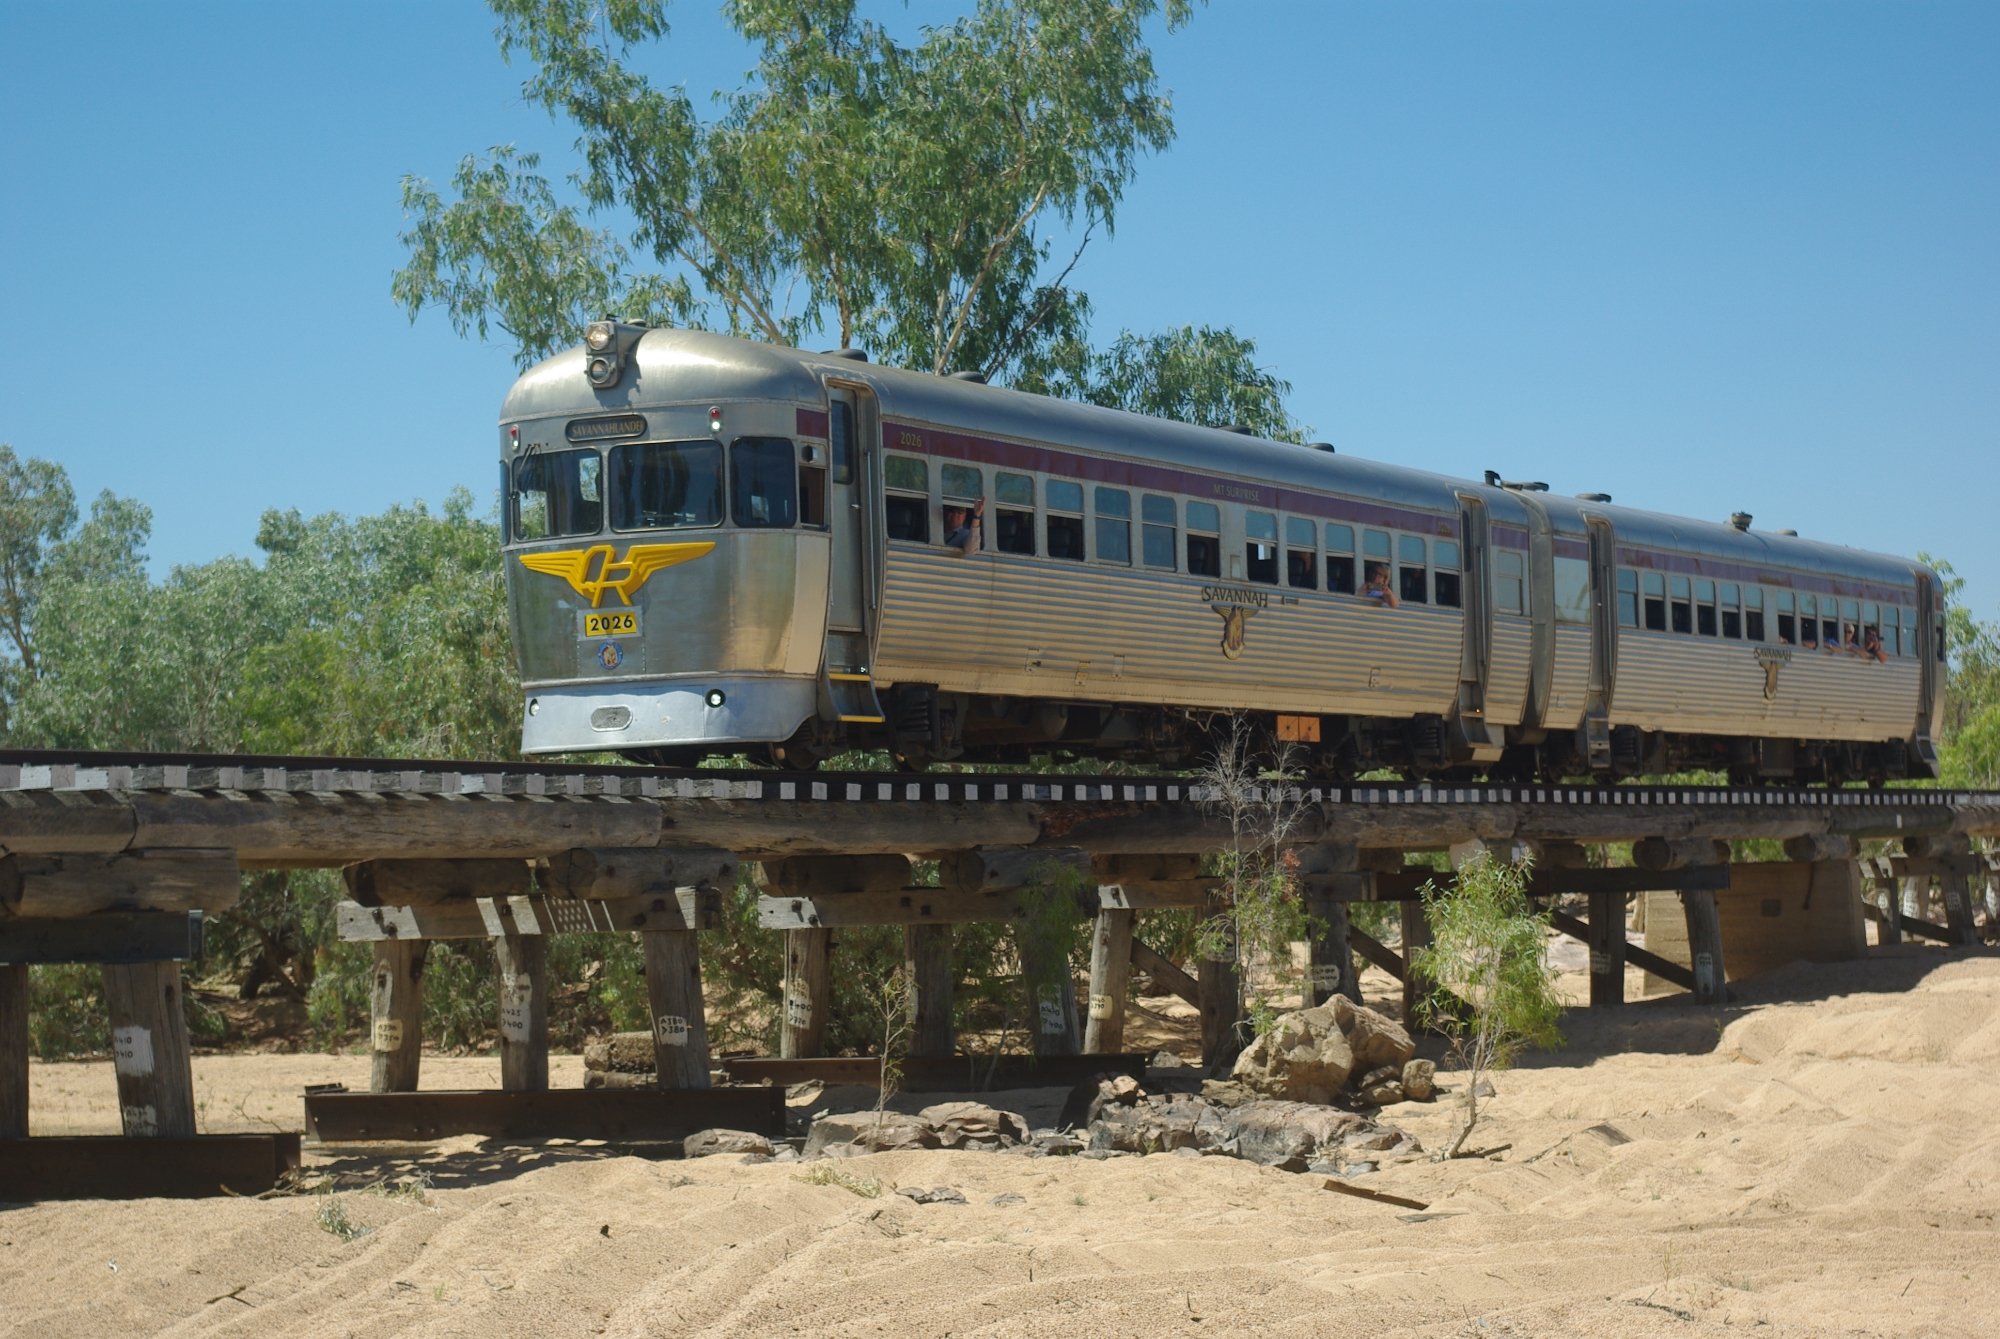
x=716 y=546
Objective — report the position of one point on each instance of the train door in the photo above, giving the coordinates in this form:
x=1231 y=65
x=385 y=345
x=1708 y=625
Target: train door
x=1476 y=654
x=1542 y=615
x=1603 y=642
x=847 y=688
x=1930 y=672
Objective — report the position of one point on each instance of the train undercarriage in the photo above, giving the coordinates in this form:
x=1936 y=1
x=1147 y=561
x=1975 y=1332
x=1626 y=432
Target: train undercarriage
x=924 y=727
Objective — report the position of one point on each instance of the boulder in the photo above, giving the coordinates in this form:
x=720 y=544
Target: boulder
x=974 y=1125
x=707 y=1143
x=1381 y=1086
x=1091 y=1096
x=1156 y=1125
x=1420 y=1080
x=620 y=1053
x=1271 y=1131
x=935 y=1195
x=615 y=1079
x=1374 y=1038
x=1305 y=1057
x=867 y=1132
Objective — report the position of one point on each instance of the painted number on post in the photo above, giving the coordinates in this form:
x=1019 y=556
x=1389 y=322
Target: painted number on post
x=132 y=1050
x=670 y=1030
x=1052 y=1012
x=387 y=1035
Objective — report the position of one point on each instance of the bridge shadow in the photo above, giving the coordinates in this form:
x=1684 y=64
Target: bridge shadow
x=457 y=1164
x=1675 y=1025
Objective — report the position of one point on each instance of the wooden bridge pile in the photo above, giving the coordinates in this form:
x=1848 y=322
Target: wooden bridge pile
x=118 y=866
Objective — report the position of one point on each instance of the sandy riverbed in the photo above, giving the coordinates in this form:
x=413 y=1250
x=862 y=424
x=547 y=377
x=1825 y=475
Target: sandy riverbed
x=1818 y=1159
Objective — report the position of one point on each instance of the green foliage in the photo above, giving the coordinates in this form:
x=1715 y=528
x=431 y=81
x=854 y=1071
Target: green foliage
x=1969 y=746
x=66 y=1019
x=1491 y=991
x=1262 y=914
x=1193 y=375
x=897 y=192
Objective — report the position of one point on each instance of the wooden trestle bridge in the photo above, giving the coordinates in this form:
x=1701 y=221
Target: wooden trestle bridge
x=117 y=860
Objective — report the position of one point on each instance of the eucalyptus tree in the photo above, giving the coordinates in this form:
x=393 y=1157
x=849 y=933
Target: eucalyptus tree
x=900 y=195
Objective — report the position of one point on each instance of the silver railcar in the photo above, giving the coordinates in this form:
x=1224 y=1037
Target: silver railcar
x=715 y=545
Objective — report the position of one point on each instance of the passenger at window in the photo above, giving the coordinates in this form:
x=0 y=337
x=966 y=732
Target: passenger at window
x=1871 y=645
x=1378 y=588
x=962 y=527
x=1850 y=641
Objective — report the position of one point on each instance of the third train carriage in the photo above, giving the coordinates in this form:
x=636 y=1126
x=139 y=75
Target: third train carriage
x=718 y=546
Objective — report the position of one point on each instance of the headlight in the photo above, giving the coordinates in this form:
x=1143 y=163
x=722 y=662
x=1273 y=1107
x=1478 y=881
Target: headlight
x=716 y=697
x=597 y=336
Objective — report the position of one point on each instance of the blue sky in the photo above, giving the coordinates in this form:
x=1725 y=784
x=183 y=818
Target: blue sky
x=1704 y=256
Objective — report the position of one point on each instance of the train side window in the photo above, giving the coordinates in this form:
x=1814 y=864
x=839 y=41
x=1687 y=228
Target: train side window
x=1628 y=598
x=1910 y=633
x=1413 y=577
x=909 y=498
x=1374 y=551
x=1260 y=547
x=1729 y=597
x=1014 y=513
x=1301 y=553
x=1204 y=540
x=763 y=482
x=1572 y=590
x=1753 y=613
x=662 y=485
x=1704 y=608
x=1158 y=522
x=1829 y=623
x=1444 y=553
x=1114 y=526
x=960 y=483
x=1508 y=568
x=812 y=495
x=840 y=441
x=1788 y=623
x=1065 y=509
x=1340 y=558
x=1682 y=607
x=1808 y=620
x=1895 y=637
x=1656 y=602
x=558 y=493
x=1940 y=639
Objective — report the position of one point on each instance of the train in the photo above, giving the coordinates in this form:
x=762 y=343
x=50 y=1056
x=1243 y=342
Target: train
x=718 y=546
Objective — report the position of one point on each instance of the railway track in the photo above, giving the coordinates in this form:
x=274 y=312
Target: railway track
x=94 y=770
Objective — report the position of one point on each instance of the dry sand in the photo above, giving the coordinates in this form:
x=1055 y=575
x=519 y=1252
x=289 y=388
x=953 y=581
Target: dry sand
x=1820 y=1158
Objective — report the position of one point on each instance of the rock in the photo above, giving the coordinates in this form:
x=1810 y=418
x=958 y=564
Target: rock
x=1006 y=1198
x=1420 y=1080
x=1166 y=1060
x=1305 y=1057
x=1156 y=1125
x=621 y=1053
x=1295 y=1163
x=935 y=1195
x=707 y=1143
x=867 y=1132
x=1227 y=1092
x=1374 y=1038
x=1272 y=1131
x=604 y=1078
x=1374 y=1139
x=1091 y=1096
x=973 y=1125
x=1381 y=1086
x=1057 y=1144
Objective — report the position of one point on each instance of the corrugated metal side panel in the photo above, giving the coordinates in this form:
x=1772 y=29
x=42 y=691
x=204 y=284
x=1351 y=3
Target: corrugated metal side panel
x=1569 y=686
x=1507 y=676
x=1034 y=627
x=1668 y=681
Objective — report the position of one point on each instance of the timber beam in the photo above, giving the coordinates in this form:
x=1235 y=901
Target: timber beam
x=109 y=937
x=115 y=1168
x=619 y=1115
x=486 y=918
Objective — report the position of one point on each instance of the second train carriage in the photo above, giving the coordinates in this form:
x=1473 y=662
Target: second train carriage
x=716 y=545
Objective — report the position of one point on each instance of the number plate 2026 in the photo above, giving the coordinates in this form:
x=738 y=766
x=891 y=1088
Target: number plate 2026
x=610 y=623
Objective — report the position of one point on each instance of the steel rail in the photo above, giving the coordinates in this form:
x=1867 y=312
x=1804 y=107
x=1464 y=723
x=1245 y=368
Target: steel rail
x=78 y=769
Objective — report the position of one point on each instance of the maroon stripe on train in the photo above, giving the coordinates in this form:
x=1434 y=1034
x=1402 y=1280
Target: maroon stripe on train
x=1510 y=537
x=1572 y=548
x=1161 y=478
x=812 y=423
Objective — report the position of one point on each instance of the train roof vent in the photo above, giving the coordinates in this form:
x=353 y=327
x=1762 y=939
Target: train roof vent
x=1593 y=497
x=852 y=355
x=1788 y=534
x=1239 y=430
x=1740 y=519
x=976 y=378
x=1320 y=446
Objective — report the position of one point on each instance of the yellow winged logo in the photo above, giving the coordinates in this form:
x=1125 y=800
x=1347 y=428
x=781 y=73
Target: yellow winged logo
x=592 y=571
